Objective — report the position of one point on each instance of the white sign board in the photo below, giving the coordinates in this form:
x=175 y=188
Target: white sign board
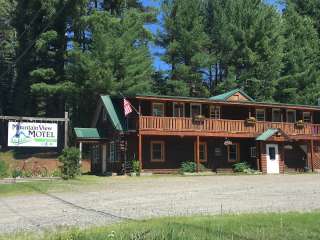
x=26 y=134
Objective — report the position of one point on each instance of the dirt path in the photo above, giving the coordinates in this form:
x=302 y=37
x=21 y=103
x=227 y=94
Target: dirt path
x=160 y=196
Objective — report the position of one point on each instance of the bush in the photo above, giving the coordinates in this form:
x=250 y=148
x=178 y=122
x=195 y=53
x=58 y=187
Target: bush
x=16 y=173
x=56 y=173
x=136 y=166
x=243 y=167
x=70 y=160
x=191 y=167
x=3 y=169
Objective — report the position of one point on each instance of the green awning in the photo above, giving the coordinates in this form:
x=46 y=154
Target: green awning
x=267 y=134
x=87 y=133
x=114 y=117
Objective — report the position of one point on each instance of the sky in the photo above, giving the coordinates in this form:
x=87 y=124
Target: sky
x=154 y=28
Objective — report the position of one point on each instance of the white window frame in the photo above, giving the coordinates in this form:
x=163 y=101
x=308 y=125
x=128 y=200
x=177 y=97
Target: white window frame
x=253 y=152
x=163 y=151
x=159 y=104
x=264 y=114
x=277 y=109
x=213 y=109
x=295 y=115
x=183 y=109
x=195 y=104
x=310 y=116
x=112 y=152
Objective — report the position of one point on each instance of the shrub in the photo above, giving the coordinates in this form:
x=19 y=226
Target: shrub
x=242 y=167
x=191 y=167
x=56 y=173
x=3 y=169
x=70 y=163
x=136 y=166
x=16 y=173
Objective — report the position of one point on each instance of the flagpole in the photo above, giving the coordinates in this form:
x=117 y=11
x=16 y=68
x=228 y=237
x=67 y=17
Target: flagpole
x=131 y=105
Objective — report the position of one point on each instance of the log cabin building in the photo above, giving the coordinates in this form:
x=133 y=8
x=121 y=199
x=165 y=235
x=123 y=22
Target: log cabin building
x=216 y=132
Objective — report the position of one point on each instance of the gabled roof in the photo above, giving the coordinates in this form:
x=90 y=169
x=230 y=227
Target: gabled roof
x=87 y=133
x=112 y=113
x=225 y=96
x=269 y=133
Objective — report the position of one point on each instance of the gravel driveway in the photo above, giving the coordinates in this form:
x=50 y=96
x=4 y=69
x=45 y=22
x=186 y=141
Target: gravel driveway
x=135 y=198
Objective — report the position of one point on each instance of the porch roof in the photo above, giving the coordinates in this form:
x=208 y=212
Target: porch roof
x=87 y=133
x=267 y=134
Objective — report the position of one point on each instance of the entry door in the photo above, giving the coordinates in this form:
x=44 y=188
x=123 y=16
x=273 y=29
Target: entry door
x=272 y=158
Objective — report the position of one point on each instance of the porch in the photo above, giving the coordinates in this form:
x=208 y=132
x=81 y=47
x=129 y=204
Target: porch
x=153 y=125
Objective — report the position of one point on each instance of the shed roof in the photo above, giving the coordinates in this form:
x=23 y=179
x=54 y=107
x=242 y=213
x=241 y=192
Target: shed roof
x=87 y=133
x=267 y=134
x=226 y=95
x=114 y=116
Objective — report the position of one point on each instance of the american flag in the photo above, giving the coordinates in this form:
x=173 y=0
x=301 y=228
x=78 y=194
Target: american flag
x=127 y=107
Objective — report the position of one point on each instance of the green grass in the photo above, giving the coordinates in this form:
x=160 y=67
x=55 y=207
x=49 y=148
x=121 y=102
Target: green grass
x=293 y=226
x=22 y=188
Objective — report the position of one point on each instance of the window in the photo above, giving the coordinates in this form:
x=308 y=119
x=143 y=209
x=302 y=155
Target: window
x=276 y=115
x=178 y=109
x=195 y=109
x=104 y=115
x=233 y=152
x=307 y=117
x=158 y=109
x=217 y=152
x=215 y=112
x=272 y=153
x=260 y=115
x=291 y=116
x=203 y=153
x=112 y=152
x=253 y=152
x=95 y=154
x=157 y=151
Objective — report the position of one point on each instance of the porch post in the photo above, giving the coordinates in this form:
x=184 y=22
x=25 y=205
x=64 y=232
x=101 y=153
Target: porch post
x=140 y=151
x=80 y=152
x=312 y=154
x=198 y=153
x=104 y=158
x=258 y=155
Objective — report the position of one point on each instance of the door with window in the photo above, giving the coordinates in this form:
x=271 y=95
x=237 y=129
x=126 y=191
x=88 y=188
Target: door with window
x=272 y=158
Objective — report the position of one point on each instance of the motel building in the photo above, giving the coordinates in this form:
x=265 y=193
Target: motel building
x=217 y=132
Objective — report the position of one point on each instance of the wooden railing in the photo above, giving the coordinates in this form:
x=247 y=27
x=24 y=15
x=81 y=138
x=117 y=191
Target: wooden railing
x=222 y=125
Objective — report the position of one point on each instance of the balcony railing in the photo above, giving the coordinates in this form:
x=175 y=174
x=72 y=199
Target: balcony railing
x=223 y=125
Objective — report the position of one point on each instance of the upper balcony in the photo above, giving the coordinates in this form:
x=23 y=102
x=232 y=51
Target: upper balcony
x=222 y=127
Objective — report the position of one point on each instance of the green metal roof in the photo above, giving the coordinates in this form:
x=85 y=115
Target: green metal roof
x=91 y=133
x=267 y=134
x=114 y=116
x=226 y=95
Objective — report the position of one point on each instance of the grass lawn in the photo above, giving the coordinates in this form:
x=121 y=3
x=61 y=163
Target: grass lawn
x=247 y=226
x=22 y=188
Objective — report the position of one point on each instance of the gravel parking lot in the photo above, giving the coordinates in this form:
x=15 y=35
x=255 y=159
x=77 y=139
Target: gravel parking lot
x=122 y=198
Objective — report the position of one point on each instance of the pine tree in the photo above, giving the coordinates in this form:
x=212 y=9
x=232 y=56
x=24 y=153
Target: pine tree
x=299 y=82
x=7 y=55
x=184 y=41
x=245 y=35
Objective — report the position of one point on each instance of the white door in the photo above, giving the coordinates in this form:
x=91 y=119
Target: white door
x=272 y=158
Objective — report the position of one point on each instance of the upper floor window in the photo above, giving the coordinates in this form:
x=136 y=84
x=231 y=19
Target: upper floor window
x=178 y=109
x=260 y=115
x=157 y=151
x=276 y=115
x=195 y=109
x=215 y=112
x=158 y=109
x=307 y=117
x=104 y=115
x=291 y=116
